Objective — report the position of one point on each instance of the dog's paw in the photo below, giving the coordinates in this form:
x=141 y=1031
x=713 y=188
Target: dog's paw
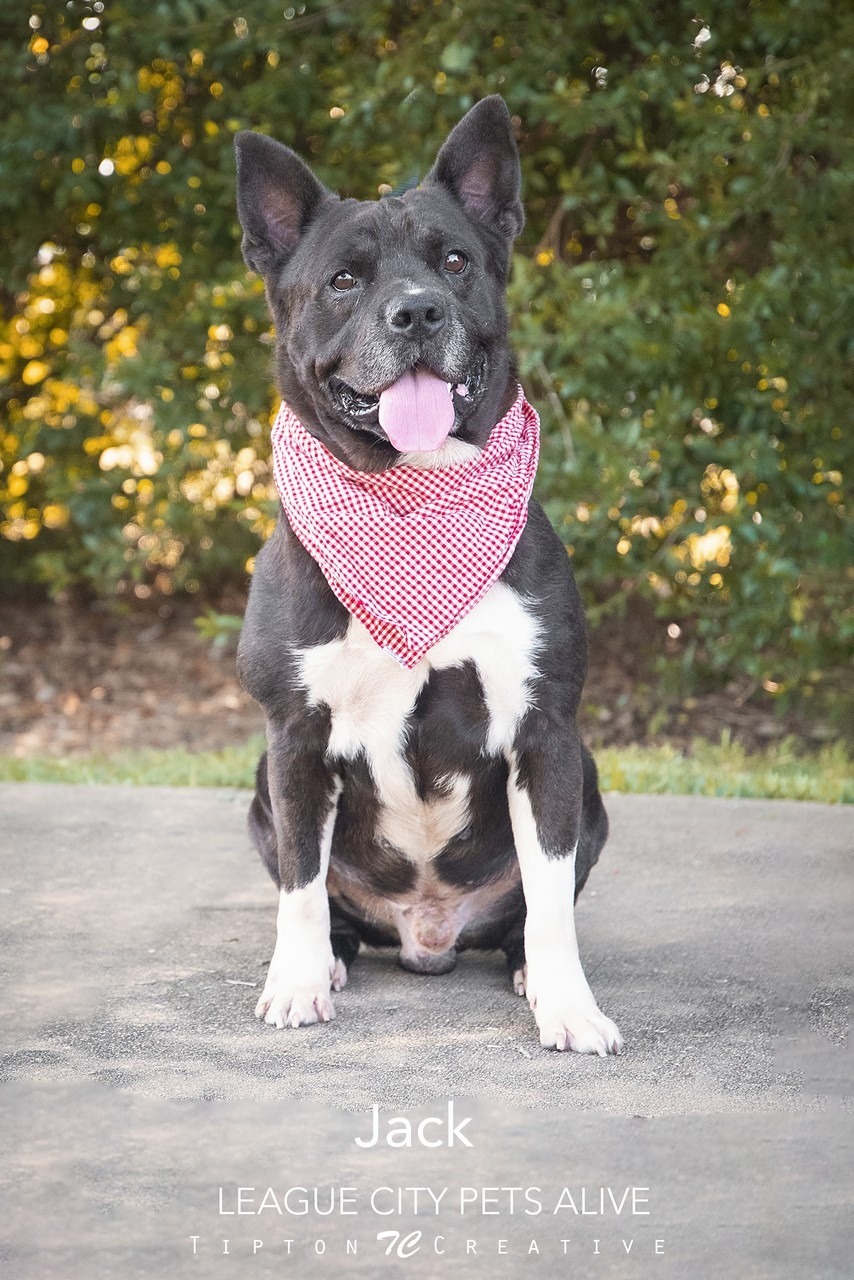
x=291 y=999
x=284 y=1006
x=570 y=1019
x=519 y=980
x=581 y=1030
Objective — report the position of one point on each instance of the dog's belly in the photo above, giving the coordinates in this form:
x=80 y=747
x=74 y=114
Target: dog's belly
x=433 y=919
x=422 y=845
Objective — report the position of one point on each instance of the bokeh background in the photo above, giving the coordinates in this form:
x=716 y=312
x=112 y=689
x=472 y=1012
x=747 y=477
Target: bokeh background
x=682 y=302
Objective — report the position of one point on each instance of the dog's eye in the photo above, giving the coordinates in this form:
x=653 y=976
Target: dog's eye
x=343 y=281
x=455 y=262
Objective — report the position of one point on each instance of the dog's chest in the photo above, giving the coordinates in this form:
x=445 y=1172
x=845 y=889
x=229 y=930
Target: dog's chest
x=423 y=733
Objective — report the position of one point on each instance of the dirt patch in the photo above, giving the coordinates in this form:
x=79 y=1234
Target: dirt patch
x=79 y=679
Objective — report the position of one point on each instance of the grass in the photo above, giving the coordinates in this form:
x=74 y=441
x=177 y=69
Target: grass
x=708 y=769
x=726 y=769
x=230 y=767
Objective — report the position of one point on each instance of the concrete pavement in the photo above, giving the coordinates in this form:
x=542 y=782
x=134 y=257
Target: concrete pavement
x=136 y=1083
x=715 y=932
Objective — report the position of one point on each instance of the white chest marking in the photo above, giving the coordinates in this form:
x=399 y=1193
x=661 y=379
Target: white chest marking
x=370 y=697
x=452 y=454
x=500 y=636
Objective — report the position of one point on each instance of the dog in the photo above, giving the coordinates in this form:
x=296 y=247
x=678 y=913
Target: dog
x=432 y=796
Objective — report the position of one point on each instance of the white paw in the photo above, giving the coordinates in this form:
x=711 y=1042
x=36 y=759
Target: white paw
x=569 y=1018
x=339 y=975
x=293 y=998
x=581 y=1030
x=520 y=980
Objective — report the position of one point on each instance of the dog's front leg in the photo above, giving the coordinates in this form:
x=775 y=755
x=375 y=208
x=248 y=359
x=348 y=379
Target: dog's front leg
x=545 y=796
x=304 y=799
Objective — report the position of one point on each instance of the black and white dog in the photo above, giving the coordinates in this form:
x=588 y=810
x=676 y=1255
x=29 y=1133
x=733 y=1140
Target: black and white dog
x=450 y=803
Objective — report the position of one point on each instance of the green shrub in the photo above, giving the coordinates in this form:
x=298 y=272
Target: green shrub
x=682 y=293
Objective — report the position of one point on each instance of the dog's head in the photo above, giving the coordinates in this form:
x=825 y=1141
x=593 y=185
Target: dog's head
x=390 y=320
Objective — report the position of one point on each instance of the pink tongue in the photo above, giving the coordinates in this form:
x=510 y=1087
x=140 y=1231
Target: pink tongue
x=417 y=411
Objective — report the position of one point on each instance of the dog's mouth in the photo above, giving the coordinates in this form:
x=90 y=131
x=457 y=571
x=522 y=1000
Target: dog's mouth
x=417 y=412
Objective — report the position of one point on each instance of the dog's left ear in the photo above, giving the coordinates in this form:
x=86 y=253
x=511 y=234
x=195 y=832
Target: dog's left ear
x=479 y=164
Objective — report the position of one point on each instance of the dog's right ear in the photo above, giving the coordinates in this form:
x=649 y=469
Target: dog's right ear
x=277 y=197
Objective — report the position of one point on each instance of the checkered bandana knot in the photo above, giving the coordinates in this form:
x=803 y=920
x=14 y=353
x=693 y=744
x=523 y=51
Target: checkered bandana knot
x=409 y=552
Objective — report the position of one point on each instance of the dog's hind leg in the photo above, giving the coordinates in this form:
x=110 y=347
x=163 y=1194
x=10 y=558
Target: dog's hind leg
x=513 y=947
x=260 y=821
x=345 y=947
x=594 y=822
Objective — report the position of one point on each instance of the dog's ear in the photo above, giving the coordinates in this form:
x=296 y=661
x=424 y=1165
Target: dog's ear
x=277 y=197
x=479 y=164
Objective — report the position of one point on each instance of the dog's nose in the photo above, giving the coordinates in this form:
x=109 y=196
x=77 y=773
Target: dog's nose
x=416 y=315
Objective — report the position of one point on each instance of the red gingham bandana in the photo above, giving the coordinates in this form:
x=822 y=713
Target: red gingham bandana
x=409 y=552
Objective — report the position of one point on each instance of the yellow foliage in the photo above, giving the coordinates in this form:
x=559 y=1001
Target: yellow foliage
x=95 y=444
x=647 y=526
x=720 y=487
x=123 y=345
x=130 y=154
x=55 y=516
x=712 y=547
x=62 y=394
x=167 y=255
x=136 y=454
x=36 y=371
x=36 y=408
